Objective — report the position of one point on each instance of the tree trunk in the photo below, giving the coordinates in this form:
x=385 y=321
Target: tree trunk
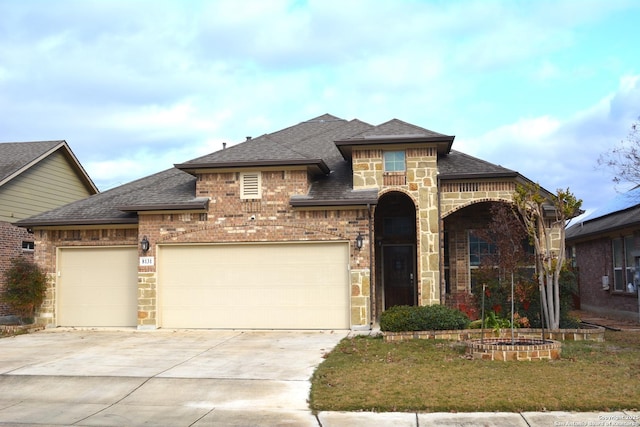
x=551 y=305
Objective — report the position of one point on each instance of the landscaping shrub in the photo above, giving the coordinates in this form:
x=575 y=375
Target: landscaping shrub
x=497 y=298
x=404 y=318
x=25 y=287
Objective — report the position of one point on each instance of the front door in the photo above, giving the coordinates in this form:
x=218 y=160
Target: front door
x=398 y=264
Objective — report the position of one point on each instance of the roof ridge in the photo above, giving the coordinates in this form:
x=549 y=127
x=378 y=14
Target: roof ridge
x=324 y=118
x=420 y=130
x=413 y=126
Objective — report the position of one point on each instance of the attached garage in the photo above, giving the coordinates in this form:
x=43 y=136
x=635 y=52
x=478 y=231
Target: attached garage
x=97 y=286
x=254 y=286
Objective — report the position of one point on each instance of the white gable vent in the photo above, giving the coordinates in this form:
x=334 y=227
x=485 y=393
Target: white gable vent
x=250 y=185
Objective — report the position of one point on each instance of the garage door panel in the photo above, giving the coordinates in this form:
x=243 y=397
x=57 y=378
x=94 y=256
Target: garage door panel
x=97 y=287
x=272 y=286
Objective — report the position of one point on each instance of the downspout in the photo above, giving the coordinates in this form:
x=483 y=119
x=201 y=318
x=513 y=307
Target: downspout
x=372 y=295
x=440 y=245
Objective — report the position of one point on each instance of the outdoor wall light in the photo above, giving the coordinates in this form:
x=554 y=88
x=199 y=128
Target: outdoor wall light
x=359 y=241
x=144 y=244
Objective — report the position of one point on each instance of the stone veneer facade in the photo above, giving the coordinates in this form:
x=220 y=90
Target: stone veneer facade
x=420 y=183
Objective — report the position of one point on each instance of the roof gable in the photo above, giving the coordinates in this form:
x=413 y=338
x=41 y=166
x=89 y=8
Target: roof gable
x=284 y=147
x=18 y=157
x=392 y=133
x=399 y=128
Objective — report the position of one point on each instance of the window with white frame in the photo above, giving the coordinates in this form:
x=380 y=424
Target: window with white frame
x=624 y=264
x=250 y=185
x=394 y=161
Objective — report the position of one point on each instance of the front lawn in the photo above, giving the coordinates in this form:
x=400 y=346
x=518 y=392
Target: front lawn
x=367 y=374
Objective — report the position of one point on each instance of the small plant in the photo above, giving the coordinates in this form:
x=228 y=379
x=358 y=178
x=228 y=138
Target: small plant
x=496 y=323
x=25 y=287
x=404 y=318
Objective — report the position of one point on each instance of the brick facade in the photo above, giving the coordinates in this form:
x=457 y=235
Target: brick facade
x=11 y=238
x=47 y=244
x=595 y=260
x=230 y=219
x=338 y=210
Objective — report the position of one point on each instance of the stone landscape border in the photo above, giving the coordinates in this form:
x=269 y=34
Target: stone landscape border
x=501 y=349
x=595 y=333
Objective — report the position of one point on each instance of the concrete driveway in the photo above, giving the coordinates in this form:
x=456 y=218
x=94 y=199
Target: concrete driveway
x=160 y=378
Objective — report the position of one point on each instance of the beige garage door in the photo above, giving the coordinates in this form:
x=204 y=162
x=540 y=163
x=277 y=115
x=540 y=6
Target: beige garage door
x=252 y=286
x=97 y=286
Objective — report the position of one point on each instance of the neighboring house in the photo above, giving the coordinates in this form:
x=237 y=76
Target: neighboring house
x=605 y=247
x=34 y=177
x=322 y=225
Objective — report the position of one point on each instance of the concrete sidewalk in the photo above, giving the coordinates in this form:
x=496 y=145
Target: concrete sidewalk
x=488 y=419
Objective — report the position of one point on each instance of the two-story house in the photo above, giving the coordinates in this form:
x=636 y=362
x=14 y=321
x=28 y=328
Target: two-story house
x=322 y=225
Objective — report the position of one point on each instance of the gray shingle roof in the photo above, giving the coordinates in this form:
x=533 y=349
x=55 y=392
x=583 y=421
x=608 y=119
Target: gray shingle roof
x=290 y=145
x=15 y=156
x=170 y=188
x=623 y=219
x=457 y=165
x=623 y=211
x=397 y=127
x=311 y=143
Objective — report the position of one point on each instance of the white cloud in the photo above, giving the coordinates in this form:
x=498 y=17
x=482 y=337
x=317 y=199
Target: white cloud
x=561 y=153
x=154 y=83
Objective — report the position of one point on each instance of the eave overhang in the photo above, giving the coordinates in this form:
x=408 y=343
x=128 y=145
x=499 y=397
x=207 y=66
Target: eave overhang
x=599 y=233
x=345 y=146
x=75 y=222
x=200 y=203
x=194 y=168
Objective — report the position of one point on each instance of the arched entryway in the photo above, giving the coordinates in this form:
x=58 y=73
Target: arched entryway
x=467 y=248
x=395 y=237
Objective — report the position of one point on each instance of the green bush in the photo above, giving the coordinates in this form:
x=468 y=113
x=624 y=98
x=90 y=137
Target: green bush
x=404 y=318
x=25 y=287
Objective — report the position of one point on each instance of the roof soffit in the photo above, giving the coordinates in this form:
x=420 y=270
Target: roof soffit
x=395 y=133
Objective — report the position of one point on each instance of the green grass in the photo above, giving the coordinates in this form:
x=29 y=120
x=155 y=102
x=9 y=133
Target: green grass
x=367 y=374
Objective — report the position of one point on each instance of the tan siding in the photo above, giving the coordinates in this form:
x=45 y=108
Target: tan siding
x=47 y=185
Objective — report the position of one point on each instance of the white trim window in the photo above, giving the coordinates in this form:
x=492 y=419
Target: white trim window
x=625 y=277
x=250 y=185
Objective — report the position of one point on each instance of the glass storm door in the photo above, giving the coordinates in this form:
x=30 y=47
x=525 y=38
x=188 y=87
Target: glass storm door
x=398 y=263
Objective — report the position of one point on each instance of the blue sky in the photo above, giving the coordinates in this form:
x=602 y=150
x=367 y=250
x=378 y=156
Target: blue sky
x=541 y=87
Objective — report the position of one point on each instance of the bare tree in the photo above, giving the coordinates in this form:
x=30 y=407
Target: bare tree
x=624 y=159
x=507 y=232
x=546 y=233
